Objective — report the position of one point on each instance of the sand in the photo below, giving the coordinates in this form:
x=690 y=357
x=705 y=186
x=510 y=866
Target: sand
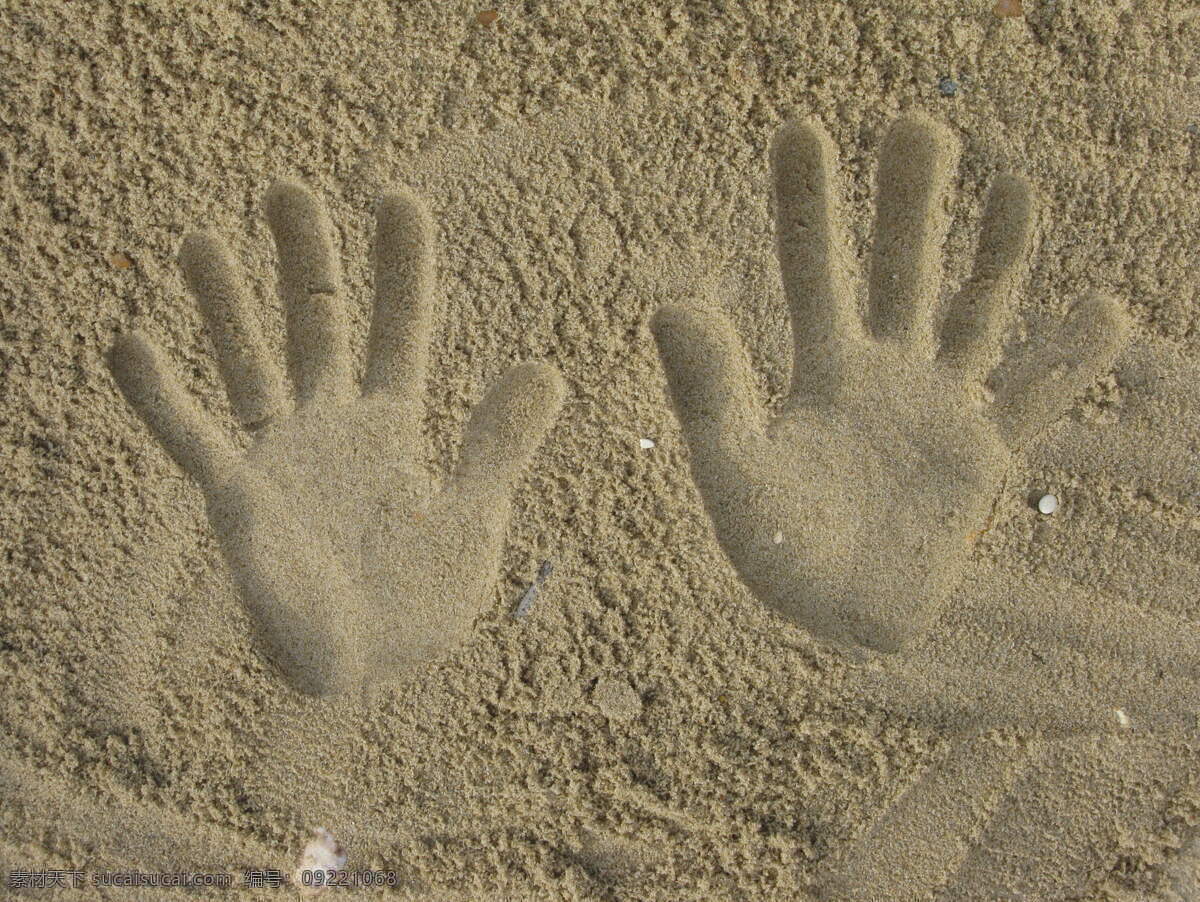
x=325 y=325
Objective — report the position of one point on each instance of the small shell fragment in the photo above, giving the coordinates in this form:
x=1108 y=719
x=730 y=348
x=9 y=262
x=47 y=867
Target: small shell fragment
x=646 y=443
x=530 y=594
x=1123 y=719
x=1047 y=504
x=778 y=537
x=323 y=853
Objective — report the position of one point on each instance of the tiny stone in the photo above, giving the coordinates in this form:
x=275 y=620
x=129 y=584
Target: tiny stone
x=1047 y=504
x=646 y=443
x=1123 y=719
x=948 y=86
x=778 y=537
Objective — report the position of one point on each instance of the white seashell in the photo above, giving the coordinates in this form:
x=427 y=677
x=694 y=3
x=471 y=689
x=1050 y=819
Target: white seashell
x=646 y=443
x=323 y=853
x=1048 y=504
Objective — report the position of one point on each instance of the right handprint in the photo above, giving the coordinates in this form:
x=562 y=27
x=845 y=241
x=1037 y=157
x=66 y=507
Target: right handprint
x=854 y=510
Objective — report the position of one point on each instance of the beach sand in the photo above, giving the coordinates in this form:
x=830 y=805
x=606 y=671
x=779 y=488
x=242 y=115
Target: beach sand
x=650 y=729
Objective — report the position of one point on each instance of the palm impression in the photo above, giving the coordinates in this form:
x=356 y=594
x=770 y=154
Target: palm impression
x=353 y=563
x=853 y=511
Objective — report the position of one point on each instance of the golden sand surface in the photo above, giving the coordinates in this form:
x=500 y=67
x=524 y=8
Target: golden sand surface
x=325 y=327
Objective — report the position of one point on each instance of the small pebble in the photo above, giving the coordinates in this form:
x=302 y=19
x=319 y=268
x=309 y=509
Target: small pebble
x=1048 y=504
x=646 y=443
x=948 y=86
x=778 y=537
x=1123 y=719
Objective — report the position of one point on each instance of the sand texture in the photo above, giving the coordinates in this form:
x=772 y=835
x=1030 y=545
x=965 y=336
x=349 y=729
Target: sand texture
x=751 y=334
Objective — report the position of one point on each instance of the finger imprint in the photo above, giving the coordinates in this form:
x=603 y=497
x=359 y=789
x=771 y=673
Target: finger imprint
x=1039 y=385
x=710 y=380
x=398 y=347
x=253 y=383
x=309 y=286
x=915 y=172
x=176 y=420
x=975 y=321
x=810 y=241
x=509 y=425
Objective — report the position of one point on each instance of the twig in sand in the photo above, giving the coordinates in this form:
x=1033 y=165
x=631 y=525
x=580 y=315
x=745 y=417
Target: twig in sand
x=526 y=601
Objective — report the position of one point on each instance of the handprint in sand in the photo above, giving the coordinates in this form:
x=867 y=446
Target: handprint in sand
x=854 y=511
x=353 y=562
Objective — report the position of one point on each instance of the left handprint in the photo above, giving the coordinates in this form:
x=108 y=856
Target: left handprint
x=353 y=563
